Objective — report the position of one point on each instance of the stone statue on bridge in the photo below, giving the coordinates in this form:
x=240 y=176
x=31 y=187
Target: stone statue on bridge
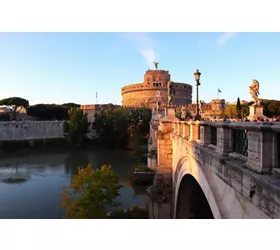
x=158 y=106
x=171 y=92
x=254 y=91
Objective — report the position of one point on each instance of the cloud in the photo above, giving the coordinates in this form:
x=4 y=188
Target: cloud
x=145 y=45
x=225 y=37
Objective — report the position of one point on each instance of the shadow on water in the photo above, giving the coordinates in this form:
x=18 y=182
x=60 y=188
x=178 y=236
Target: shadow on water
x=74 y=160
x=31 y=183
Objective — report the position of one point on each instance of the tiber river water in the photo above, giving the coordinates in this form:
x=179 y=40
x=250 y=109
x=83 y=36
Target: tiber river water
x=45 y=174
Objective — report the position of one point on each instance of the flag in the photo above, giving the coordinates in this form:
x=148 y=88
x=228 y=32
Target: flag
x=219 y=91
x=96 y=94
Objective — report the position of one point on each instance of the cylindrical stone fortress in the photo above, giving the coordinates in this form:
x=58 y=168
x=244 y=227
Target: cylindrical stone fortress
x=155 y=81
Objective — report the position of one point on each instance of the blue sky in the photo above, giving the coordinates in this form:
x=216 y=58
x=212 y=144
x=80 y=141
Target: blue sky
x=71 y=67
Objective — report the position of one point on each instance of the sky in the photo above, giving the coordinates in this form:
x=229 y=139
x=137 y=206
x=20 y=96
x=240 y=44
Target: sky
x=72 y=67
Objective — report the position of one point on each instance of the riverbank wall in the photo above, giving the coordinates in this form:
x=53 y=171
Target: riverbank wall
x=32 y=130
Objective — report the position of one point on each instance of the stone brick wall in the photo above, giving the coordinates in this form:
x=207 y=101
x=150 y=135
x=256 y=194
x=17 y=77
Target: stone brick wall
x=27 y=130
x=138 y=94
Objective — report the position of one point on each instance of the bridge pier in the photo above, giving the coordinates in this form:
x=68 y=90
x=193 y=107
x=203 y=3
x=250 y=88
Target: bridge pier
x=161 y=191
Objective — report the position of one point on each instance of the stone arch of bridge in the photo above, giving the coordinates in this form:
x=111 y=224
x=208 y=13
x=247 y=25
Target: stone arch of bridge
x=193 y=194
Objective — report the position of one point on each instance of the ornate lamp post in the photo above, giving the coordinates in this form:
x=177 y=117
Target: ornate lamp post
x=197 y=78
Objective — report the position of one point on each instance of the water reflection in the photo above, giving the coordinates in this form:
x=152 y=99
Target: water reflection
x=74 y=160
x=31 y=184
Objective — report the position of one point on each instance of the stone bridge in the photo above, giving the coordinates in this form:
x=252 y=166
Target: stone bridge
x=214 y=170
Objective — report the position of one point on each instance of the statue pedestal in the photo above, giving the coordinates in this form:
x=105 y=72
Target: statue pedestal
x=256 y=111
x=170 y=114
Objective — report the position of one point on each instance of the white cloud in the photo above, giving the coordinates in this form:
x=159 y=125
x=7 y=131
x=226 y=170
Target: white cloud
x=225 y=37
x=145 y=45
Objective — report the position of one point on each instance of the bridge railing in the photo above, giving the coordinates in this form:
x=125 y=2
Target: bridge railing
x=187 y=130
x=258 y=144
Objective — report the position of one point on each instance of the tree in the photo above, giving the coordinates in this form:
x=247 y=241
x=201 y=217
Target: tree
x=112 y=127
x=71 y=105
x=140 y=121
x=178 y=114
x=77 y=127
x=15 y=105
x=244 y=110
x=46 y=112
x=183 y=114
x=91 y=193
x=115 y=126
x=230 y=111
x=238 y=108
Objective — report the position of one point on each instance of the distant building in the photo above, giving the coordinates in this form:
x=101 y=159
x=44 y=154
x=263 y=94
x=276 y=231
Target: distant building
x=154 y=88
x=212 y=110
x=92 y=109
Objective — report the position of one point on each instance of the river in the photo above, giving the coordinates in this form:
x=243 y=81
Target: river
x=41 y=177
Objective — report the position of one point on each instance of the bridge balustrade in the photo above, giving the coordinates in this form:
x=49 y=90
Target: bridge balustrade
x=240 y=141
x=256 y=143
x=181 y=129
x=213 y=137
x=187 y=130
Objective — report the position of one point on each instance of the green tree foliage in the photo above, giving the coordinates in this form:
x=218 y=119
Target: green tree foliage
x=238 y=109
x=140 y=120
x=77 y=127
x=114 y=125
x=91 y=193
x=186 y=113
x=71 y=105
x=46 y=112
x=178 y=114
x=245 y=109
x=230 y=111
x=271 y=107
x=15 y=105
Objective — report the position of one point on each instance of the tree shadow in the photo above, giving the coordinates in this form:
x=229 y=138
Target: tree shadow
x=74 y=160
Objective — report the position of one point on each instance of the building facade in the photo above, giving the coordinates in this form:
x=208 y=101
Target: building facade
x=92 y=109
x=212 y=110
x=153 y=89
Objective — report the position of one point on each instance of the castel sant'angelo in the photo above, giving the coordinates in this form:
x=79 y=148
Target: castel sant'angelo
x=153 y=89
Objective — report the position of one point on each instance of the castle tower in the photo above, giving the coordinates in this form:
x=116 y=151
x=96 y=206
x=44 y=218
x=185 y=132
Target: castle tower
x=154 y=88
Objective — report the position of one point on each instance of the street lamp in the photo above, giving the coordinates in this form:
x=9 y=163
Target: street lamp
x=197 y=78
